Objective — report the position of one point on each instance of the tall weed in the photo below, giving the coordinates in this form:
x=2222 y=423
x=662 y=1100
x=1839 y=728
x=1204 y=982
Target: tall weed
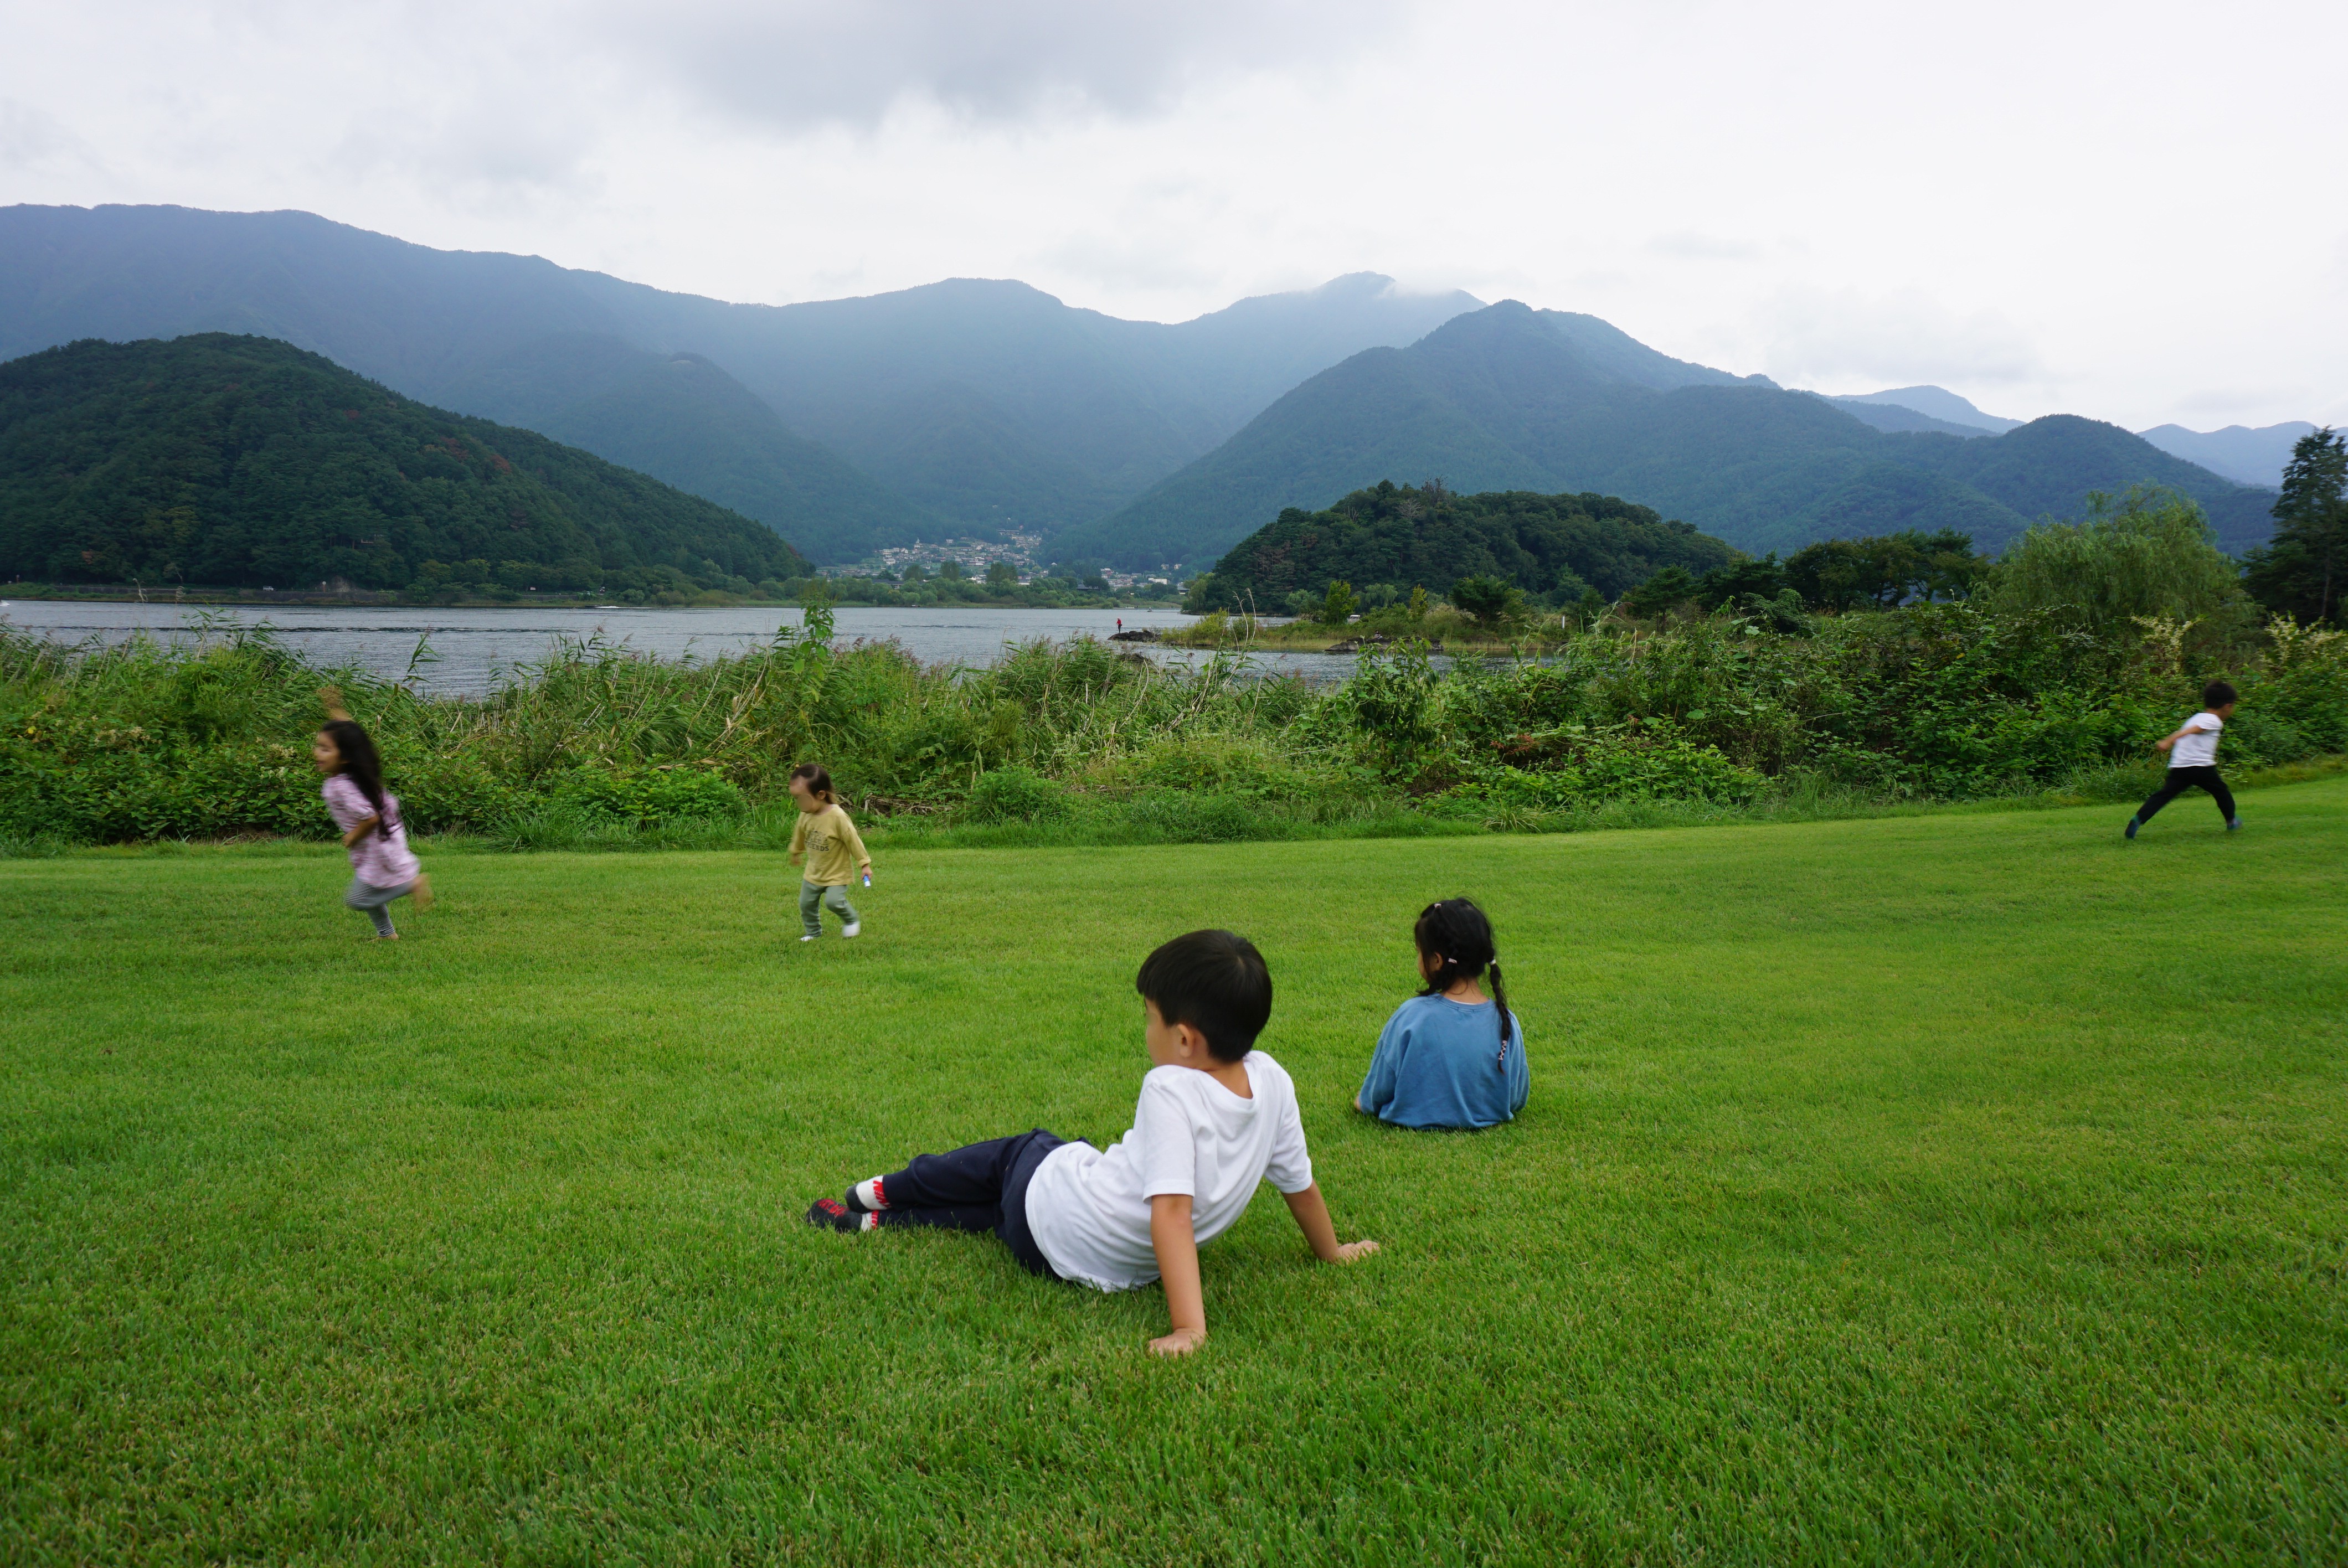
x=598 y=745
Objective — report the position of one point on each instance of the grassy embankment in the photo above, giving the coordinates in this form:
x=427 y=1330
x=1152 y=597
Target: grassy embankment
x=1443 y=628
x=1953 y=1187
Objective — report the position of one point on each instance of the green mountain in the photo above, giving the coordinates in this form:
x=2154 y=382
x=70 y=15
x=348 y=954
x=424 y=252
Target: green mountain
x=2047 y=466
x=1427 y=538
x=1936 y=404
x=988 y=403
x=686 y=423
x=241 y=461
x=2245 y=455
x=1900 y=417
x=975 y=405
x=1511 y=398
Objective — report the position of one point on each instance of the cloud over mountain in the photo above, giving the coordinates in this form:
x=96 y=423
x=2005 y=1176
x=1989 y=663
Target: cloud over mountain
x=805 y=62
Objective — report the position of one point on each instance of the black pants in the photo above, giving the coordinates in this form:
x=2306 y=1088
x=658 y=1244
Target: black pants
x=2179 y=780
x=977 y=1187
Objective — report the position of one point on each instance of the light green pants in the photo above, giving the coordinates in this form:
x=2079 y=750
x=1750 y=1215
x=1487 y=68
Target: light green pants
x=811 y=900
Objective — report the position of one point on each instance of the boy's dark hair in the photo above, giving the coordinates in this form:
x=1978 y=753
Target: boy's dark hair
x=1460 y=934
x=819 y=781
x=2217 y=694
x=1214 y=981
x=363 y=766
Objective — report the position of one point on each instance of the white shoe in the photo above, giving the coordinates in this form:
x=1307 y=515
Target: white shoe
x=807 y=938
x=853 y=929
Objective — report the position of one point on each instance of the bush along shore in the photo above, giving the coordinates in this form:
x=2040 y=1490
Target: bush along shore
x=1724 y=715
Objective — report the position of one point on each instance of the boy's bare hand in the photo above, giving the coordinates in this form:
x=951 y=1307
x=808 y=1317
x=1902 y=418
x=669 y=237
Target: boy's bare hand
x=1181 y=1342
x=1353 y=1251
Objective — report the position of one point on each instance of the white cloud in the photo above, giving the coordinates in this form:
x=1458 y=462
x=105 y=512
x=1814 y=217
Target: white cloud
x=1688 y=246
x=1830 y=193
x=484 y=158
x=797 y=63
x=1837 y=338
x=30 y=139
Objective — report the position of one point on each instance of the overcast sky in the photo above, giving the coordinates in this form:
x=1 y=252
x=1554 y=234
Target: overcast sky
x=2133 y=212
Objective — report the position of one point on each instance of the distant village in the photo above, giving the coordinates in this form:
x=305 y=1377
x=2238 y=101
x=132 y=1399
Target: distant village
x=1023 y=551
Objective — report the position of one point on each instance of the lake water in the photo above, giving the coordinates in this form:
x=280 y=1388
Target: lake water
x=474 y=647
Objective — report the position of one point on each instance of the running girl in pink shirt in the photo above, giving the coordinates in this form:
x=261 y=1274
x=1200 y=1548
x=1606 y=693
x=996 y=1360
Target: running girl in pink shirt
x=381 y=866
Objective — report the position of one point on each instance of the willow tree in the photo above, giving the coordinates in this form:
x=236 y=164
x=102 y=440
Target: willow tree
x=2150 y=554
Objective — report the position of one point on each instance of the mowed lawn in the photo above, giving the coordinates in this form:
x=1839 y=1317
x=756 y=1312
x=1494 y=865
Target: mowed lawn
x=1970 y=1187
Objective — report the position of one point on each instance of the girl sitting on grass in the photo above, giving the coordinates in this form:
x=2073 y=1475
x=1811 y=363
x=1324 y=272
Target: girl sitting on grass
x=1448 y=1057
x=381 y=866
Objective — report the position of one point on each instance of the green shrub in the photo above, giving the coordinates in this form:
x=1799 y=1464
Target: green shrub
x=1186 y=818
x=1650 y=761
x=1226 y=764
x=1016 y=794
x=649 y=795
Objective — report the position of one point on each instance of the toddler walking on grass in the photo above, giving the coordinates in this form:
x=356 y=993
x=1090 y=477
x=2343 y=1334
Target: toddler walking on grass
x=1216 y=1117
x=827 y=841
x=381 y=866
x=2193 y=764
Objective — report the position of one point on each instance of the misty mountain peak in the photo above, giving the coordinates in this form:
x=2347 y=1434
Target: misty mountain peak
x=1356 y=285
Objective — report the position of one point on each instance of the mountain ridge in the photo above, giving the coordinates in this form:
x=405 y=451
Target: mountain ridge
x=980 y=406
x=683 y=420
x=1934 y=402
x=1501 y=400
x=2239 y=452
x=1076 y=410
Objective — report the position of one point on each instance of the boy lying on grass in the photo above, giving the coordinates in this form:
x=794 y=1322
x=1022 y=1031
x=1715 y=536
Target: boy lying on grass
x=1216 y=1116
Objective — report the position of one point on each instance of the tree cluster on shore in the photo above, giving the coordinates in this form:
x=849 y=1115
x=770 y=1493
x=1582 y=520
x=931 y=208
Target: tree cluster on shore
x=1511 y=569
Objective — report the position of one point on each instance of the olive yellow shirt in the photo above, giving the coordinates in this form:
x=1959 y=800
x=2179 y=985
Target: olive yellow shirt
x=829 y=841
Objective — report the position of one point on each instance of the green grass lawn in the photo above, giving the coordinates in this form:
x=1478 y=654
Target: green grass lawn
x=1961 y=1187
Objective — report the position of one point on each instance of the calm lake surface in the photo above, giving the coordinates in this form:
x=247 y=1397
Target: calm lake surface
x=470 y=650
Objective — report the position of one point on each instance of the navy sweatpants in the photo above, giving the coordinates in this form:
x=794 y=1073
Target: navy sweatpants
x=977 y=1187
x=2179 y=780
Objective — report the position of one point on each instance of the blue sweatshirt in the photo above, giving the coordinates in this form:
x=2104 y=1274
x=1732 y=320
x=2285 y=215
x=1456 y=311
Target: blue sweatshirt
x=1439 y=1064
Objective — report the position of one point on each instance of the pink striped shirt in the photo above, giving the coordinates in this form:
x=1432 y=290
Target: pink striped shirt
x=376 y=860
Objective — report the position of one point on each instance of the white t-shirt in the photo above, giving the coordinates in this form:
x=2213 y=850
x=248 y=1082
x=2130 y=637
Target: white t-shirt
x=1089 y=1208
x=2198 y=747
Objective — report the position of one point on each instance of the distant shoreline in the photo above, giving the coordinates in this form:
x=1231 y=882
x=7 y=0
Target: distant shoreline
x=360 y=598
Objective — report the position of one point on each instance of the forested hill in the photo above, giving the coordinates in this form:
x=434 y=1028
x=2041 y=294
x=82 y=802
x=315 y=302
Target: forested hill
x=1405 y=537
x=1508 y=398
x=243 y=462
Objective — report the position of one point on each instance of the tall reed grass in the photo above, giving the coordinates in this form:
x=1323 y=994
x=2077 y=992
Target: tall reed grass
x=1710 y=718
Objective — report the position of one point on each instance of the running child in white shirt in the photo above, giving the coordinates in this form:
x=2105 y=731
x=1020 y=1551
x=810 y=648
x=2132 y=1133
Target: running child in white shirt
x=2194 y=762
x=1216 y=1117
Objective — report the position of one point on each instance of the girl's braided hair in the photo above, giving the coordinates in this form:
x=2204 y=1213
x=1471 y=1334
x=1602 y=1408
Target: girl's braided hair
x=1457 y=931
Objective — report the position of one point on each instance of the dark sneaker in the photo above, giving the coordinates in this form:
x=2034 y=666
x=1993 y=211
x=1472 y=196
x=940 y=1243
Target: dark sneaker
x=833 y=1215
x=2132 y=826
x=2233 y=824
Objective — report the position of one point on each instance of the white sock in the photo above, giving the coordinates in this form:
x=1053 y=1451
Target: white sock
x=868 y=1195
x=869 y=1222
